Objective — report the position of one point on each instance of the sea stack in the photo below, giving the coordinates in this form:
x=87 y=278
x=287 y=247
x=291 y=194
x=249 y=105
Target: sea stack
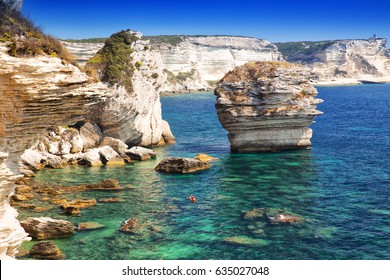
x=267 y=106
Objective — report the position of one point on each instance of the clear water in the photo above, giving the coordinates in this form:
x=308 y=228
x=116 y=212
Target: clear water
x=341 y=187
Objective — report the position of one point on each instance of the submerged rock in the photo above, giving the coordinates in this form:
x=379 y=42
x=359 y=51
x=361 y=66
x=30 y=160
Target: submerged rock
x=109 y=184
x=89 y=226
x=273 y=216
x=131 y=225
x=47 y=228
x=46 y=251
x=181 y=165
x=140 y=153
x=111 y=200
x=79 y=203
x=267 y=106
x=245 y=240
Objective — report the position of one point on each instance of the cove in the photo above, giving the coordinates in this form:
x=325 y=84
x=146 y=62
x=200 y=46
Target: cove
x=341 y=187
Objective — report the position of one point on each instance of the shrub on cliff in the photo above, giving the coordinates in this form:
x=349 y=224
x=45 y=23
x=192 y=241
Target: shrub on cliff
x=25 y=39
x=113 y=63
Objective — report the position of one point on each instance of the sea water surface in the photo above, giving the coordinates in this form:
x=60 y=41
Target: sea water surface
x=341 y=187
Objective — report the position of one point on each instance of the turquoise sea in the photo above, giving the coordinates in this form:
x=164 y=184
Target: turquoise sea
x=341 y=187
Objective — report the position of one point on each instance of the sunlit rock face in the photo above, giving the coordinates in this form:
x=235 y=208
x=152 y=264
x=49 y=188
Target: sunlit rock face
x=35 y=93
x=267 y=106
x=197 y=63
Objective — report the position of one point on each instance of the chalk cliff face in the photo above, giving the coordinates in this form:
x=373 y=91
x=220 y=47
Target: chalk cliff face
x=197 y=63
x=267 y=106
x=83 y=51
x=132 y=113
x=35 y=93
x=346 y=60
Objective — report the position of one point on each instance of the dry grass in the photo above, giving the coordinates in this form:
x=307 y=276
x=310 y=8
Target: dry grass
x=24 y=39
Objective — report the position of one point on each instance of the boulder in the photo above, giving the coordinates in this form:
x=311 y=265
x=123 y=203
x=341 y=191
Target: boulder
x=91 y=135
x=92 y=158
x=110 y=157
x=205 y=158
x=46 y=250
x=115 y=144
x=267 y=106
x=47 y=228
x=71 y=210
x=181 y=165
x=53 y=161
x=33 y=159
x=140 y=153
x=77 y=143
x=72 y=158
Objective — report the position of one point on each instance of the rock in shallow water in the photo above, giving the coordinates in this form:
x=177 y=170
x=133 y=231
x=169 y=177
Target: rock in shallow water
x=246 y=241
x=46 y=251
x=140 y=153
x=47 y=228
x=181 y=165
x=267 y=106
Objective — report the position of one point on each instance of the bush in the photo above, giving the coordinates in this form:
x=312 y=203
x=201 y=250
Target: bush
x=113 y=63
x=25 y=39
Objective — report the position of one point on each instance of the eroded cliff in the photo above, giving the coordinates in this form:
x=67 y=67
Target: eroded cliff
x=267 y=106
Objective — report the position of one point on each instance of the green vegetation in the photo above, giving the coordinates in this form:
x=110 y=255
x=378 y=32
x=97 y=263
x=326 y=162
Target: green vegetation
x=24 y=39
x=113 y=63
x=168 y=39
x=291 y=49
x=179 y=78
x=89 y=40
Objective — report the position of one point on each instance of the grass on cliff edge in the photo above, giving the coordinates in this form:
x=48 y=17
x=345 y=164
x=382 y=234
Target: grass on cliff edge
x=27 y=40
x=113 y=63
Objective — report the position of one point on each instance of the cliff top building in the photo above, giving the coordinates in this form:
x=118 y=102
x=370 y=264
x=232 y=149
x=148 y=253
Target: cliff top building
x=14 y=4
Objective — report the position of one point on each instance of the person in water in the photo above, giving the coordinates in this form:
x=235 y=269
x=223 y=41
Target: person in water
x=192 y=198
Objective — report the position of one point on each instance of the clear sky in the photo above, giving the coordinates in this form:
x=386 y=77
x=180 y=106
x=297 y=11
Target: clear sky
x=273 y=20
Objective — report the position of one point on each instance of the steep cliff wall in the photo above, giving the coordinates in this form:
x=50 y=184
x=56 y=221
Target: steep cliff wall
x=133 y=111
x=35 y=93
x=197 y=63
x=350 y=61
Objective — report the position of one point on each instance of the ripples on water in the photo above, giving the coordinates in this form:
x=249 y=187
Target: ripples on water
x=341 y=187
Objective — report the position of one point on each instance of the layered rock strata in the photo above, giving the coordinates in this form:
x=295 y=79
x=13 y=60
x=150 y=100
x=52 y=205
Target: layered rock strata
x=133 y=111
x=267 y=106
x=197 y=63
x=35 y=93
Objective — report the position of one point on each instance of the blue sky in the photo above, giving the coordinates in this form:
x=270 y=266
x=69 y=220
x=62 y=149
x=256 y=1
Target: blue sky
x=276 y=21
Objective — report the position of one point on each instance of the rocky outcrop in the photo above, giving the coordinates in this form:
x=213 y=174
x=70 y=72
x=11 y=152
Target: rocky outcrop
x=181 y=165
x=132 y=113
x=140 y=153
x=197 y=63
x=47 y=228
x=267 y=106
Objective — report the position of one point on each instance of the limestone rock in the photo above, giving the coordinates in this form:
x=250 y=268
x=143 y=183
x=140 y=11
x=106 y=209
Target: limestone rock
x=205 y=158
x=89 y=226
x=131 y=225
x=116 y=144
x=92 y=158
x=91 y=135
x=140 y=153
x=267 y=106
x=167 y=135
x=79 y=203
x=47 y=228
x=46 y=250
x=181 y=165
x=109 y=156
x=246 y=241
x=111 y=200
x=33 y=159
